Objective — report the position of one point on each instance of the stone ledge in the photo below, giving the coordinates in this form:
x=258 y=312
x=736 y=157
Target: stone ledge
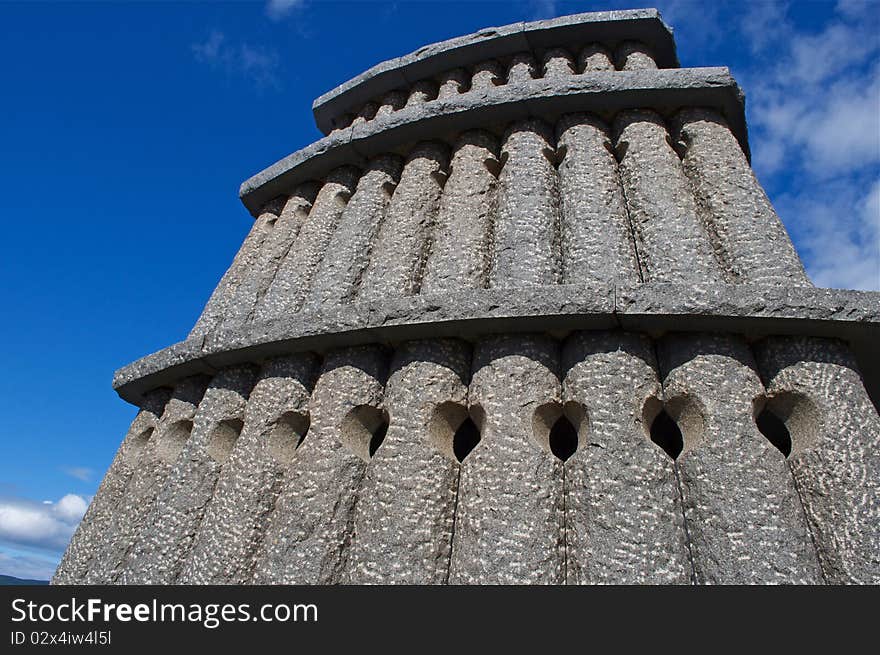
x=608 y=27
x=603 y=92
x=751 y=310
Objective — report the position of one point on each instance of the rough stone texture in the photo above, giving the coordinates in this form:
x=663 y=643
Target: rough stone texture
x=487 y=74
x=744 y=517
x=460 y=254
x=633 y=55
x=78 y=558
x=178 y=511
x=509 y=525
x=405 y=512
x=276 y=421
x=671 y=240
x=747 y=234
x=309 y=534
x=522 y=68
x=452 y=83
x=291 y=285
x=623 y=514
x=422 y=92
x=527 y=249
x=595 y=57
x=398 y=257
x=130 y=516
x=597 y=242
x=558 y=62
x=815 y=387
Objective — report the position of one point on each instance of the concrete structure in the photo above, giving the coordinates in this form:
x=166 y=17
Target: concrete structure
x=523 y=315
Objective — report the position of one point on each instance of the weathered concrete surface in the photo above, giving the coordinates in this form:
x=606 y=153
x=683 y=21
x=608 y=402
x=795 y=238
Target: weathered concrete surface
x=276 y=420
x=623 y=514
x=595 y=57
x=86 y=541
x=814 y=386
x=309 y=534
x=509 y=525
x=177 y=513
x=405 y=511
x=744 y=517
x=633 y=55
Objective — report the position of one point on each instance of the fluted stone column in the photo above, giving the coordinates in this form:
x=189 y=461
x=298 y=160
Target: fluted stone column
x=744 y=517
x=623 y=514
x=293 y=280
x=671 y=240
x=405 y=512
x=595 y=57
x=275 y=421
x=348 y=252
x=309 y=535
x=527 y=244
x=130 y=517
x=461 y=253
x=397 y=259
x=597 y=242
x=754 y=244
x=509 y=521
x=633 y=55
x=273 y=251
x=815 y=387
x=177 y=513
x=222 y=299
x=98 y=518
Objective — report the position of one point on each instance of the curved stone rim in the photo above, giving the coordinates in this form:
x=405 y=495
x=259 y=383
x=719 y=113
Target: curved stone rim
x=653 y=308
x=547 y=98
x=644 y=25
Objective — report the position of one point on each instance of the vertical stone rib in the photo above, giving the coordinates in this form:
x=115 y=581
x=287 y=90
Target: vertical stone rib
x=308 y=540
x=597 y=244
x=744 y=516
x=154 y=464
x=672 y=242
x=222 y=299
x=815 y=387
x=288 y=290
x=177 y=513
x=398 y=258
x=527 y=248
x=276 y=420
x=461 y=250
x=752 y=240
x=509 y=522
x=623 y=515
x=403 y=527
x=348 y=253
x=632 y=55
x=595 y=57
x=86 y=541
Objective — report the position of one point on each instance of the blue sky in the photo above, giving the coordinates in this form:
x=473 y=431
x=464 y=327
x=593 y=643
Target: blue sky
x=127 y=128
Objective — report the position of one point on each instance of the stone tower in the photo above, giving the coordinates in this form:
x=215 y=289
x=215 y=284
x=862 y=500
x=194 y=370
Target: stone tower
x=523 y=315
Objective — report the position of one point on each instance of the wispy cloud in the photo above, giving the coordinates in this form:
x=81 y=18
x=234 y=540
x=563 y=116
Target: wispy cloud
x=46 y=526
x=28 y=566
x=258 y=64
x=278 y=9
x=82 y=473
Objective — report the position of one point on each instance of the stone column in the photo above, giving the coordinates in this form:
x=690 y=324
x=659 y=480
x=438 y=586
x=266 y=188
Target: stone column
x=276 y=420
x=623 y=513
x=527 y=248
x=744 y=517
x=154 y=464
x=308 y=539
x=597 y=241
x=632 y=55
x=293 y=280
x=814 y=386
x=753 y=242
x=397 y=260
x=671 y=240
x=509 y=521
x=348 y=252
x=405 y=513
x=460 y=255
x=87 y=539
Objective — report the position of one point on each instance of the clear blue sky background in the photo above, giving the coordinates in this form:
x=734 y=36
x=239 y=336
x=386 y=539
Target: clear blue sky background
x=126 y=129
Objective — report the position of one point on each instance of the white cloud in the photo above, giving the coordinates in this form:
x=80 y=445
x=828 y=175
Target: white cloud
x=46 y=526
x=79 y=472
x=27 y=566
x=278 y=9
x=255 y=63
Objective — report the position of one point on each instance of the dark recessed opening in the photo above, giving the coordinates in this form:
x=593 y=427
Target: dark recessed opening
x=666 y=434
x=378 y=437
x=466 y=437
x=773 y=427
x=563 y=438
